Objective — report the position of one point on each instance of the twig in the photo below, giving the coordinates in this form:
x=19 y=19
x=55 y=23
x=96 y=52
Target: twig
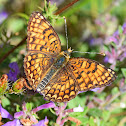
x=12 y=50
x=64 y=8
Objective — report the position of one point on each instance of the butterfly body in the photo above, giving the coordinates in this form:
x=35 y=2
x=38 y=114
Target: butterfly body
x=52 y=72
x=59 y=62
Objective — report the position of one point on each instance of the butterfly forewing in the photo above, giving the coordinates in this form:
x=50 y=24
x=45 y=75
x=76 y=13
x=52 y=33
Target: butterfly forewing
x=41 y=36
x=43 y=46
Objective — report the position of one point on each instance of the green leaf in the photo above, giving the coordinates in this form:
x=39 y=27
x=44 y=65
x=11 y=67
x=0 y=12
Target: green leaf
x=22 y=15
x=5 y=102
x=91 y=121
x=18 y=108
x=84 y=120
x=83 y=47
x=106 y=115
x=113 y=44
x=48 y=9
x=123 y=72
x=95 y=112
x=106 y=48
x=80 y=101
x=15 y=24
x=29 y=106
x=115 y=90
x=120 y=29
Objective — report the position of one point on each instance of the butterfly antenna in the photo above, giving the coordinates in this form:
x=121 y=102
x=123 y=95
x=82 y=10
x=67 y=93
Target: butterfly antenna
x=66 y=30
x=89 y=52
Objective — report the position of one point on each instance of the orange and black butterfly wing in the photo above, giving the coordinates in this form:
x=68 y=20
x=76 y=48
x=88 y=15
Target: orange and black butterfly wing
x=79 y=74
x=36 y=66
x=41 y=36
x=90 y=74
x=43 y=46
x=61 y=88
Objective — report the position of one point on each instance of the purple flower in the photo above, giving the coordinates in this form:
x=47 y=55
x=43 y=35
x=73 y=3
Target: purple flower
x=3 y=16
x=12 y=75
x=124 y=28
x=43 y=122
x=15 y=122
x=122 y=85
x=95 y=89
x=106 y=59
x=18 y=114
x=117 y=52
x=28 y=116
x=61 y=112
x=81 y=92
x=90 y=105
x=96 y=41
x=45 y=106
x=5 y=113
x=115 y=38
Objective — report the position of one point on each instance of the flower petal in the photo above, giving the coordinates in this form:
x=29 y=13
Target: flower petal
x=44 y=106
x=95 y=89
x=12 y=75
x=43 y=122
x=15 y=122
x=5 y=113
x=78 y=109
x=18 y=114
x=3 y=16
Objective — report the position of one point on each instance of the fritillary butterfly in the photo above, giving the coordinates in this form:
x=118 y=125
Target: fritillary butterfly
x=52 y=72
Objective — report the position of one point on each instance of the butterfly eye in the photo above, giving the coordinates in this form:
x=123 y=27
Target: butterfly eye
x=66 y=53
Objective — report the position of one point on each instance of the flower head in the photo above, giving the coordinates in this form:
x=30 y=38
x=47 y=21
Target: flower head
x=29 y=117
x=117 y=51
x=3 y=83
x=14 y=71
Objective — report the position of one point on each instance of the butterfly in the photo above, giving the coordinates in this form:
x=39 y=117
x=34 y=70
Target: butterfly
x=52 y=72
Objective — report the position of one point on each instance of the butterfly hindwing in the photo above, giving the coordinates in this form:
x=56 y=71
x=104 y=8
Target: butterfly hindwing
x=36 y=66
x=90 y=74
x=61 y=88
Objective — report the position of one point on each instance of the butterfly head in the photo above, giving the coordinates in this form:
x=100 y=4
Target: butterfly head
x=64 y=56
x=68 y=52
